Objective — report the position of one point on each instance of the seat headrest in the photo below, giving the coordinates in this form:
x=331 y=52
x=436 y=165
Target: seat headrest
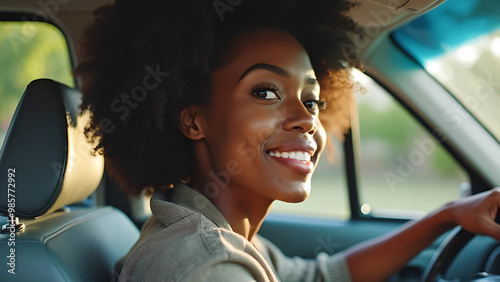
x=47 y=153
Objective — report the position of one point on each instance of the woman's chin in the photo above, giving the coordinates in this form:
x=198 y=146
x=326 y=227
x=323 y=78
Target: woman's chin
x=295 y=195
x=294 y=200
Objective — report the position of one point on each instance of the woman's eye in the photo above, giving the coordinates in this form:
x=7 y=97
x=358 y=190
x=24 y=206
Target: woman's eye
x=314 y=106
x=266 y=91
x=267 y=94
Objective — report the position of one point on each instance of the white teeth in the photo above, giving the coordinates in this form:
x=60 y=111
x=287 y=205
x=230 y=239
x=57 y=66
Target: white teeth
x=301 y=156
x=298 y=155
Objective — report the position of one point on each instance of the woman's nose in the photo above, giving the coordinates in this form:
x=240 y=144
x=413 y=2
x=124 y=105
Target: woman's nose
x=298 y=118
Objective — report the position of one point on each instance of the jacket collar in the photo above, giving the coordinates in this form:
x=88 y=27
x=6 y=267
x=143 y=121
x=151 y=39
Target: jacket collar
x=187 y=197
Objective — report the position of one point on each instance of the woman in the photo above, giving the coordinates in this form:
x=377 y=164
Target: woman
x=221 y=107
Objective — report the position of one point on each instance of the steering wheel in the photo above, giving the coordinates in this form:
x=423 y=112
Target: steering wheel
x=446 y=253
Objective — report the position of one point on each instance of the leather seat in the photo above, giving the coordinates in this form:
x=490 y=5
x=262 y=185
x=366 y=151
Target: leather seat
x=48 y=162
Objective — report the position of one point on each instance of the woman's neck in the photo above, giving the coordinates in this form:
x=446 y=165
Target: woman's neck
x=244 y=211
x=244 y=214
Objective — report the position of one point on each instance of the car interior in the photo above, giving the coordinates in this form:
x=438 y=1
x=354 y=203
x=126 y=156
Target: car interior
x=72 y=222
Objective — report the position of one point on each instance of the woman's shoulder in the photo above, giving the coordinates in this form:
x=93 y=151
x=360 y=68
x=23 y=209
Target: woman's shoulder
x=179 y=243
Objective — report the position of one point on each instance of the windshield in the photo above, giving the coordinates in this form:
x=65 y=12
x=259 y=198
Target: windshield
x=459 y=44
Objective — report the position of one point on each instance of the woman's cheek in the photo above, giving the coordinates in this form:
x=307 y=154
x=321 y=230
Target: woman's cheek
x=252 y=140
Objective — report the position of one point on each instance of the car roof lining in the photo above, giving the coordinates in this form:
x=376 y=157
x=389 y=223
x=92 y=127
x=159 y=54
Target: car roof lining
x=376 y=17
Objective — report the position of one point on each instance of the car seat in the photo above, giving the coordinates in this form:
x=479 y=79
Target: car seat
x=45 y=165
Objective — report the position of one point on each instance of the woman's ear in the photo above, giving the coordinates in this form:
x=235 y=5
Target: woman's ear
x=191 y=121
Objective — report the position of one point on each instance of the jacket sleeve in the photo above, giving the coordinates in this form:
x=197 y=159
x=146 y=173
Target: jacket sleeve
x=324 y=268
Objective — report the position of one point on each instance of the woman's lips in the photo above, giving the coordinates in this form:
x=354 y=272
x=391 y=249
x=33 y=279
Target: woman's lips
x=299 y=161
x=296 y=154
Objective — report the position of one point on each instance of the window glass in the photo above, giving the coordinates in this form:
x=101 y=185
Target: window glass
x=29 y=50
x=470 y=73
x=459 y=44
x=328 y=196
x=404 y=172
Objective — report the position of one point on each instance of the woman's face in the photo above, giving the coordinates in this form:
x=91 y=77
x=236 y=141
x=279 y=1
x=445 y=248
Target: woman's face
x=262 y=131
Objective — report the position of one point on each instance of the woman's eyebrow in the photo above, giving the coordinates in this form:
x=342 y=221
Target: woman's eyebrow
x=272 y=68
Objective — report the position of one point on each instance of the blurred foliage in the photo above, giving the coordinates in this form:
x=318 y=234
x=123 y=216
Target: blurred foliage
x=392 y=125
x=397 y=132
x=403 y=167
x=29 y=50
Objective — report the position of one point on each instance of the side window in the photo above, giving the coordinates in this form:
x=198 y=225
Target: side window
x=328 y=197
x=404 y=171
x=30 y=50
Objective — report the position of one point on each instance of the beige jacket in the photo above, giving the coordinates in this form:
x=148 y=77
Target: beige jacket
x=188 y=239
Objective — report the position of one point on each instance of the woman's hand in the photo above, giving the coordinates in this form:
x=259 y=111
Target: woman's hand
x=378 y=259
x=477 y=213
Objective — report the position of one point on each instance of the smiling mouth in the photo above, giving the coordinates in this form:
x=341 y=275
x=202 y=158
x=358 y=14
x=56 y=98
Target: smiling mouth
x=296 y=155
